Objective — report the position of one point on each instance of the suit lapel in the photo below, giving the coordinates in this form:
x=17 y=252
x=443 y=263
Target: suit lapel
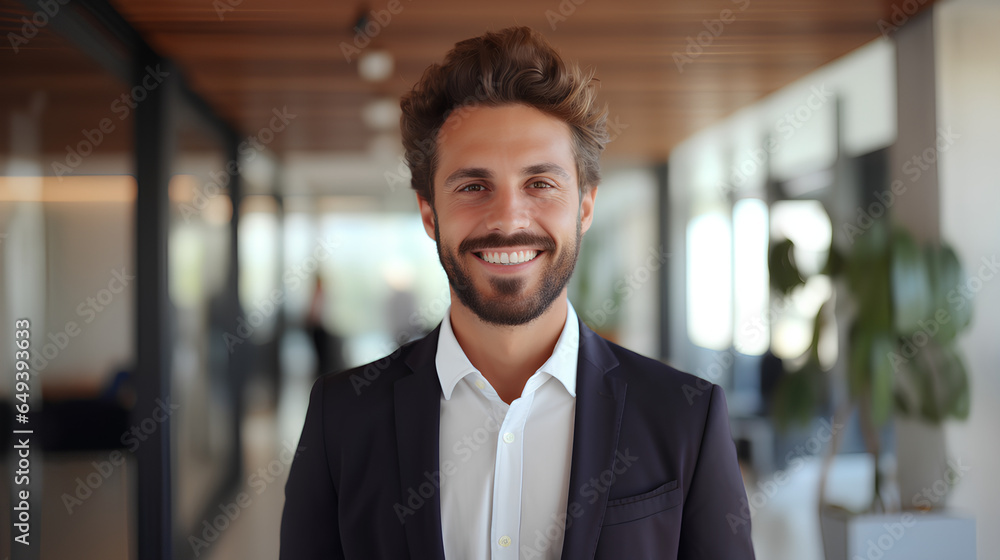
x=600 y=400
x=418 y=409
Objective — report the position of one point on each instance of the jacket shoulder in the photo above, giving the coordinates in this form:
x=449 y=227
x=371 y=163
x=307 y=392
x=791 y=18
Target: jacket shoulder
x=373 y=380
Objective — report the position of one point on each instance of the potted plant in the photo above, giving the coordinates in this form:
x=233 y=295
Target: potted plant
x=903 y=315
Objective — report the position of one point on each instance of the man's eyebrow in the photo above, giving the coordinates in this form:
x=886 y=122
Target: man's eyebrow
x=484 y=173
x=468 y=173
x=547 y=167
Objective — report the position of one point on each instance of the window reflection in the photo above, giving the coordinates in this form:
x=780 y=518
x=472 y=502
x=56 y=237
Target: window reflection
x=198 y=267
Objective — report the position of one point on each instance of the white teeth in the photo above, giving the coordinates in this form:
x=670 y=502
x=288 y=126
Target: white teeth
x=516 y=257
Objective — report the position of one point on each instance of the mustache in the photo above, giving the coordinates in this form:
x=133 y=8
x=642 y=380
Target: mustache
x=498 y=240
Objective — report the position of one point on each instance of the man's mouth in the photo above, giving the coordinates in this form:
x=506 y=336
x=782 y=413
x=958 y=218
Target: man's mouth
x=508 y=257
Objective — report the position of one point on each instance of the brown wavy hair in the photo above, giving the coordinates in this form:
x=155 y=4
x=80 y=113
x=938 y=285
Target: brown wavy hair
x=515 y=65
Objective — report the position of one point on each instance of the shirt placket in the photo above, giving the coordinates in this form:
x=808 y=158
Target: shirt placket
x=507 y=480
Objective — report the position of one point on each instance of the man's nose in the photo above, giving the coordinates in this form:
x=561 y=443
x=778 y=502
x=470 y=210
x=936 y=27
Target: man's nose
x=508 y=210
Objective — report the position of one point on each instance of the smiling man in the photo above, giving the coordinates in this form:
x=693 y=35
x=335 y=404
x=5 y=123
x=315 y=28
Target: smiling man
x=512 y=430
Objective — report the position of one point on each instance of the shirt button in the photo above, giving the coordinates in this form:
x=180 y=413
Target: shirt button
x=504 y=541
x=480 y=384
x=508 y=437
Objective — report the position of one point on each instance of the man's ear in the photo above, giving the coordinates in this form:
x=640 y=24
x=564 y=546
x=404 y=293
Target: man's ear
x=587 y=208
x=426 y=215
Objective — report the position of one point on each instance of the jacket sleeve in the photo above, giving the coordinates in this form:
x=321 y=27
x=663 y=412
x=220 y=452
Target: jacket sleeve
x=716 y=521
x=310 y=527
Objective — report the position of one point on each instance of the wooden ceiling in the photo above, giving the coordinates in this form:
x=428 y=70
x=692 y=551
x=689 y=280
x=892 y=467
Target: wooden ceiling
x=263 y=54
x=47 y=81
x=248 y=57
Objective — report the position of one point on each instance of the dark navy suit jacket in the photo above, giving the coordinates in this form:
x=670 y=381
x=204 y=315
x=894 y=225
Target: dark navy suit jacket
x=654 y=471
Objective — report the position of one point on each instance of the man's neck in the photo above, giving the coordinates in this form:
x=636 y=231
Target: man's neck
x=508 y=355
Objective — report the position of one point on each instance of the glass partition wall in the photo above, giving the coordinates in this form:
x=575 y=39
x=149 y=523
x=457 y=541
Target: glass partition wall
x=117 y=247
x=67 y=276
x=202 y=312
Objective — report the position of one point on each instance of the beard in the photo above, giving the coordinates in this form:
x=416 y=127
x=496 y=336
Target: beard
x=513 y=303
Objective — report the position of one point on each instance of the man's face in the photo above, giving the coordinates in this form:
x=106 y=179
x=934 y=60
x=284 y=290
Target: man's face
x=507 y=215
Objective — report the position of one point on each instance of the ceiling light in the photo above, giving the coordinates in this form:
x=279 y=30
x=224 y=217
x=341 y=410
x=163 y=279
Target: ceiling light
x=381 y=114
x=375 y=65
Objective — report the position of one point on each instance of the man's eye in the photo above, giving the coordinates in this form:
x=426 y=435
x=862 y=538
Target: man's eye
x=475 y=187
x=540 y=185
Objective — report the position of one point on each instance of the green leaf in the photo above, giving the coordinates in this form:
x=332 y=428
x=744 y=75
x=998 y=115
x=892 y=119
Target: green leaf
x=870 y=285
x=860 y=361
x=906 y=383
x=798 y=395
x=947 y=275
x=819 y=323
x=874 y=243
x=942 y=382
x=784 y=273
x=901 y=404
x=881 y=378
x=956 y=380
x=926 y=385
x=836 y=263
x=910 y=288
x=937 y=380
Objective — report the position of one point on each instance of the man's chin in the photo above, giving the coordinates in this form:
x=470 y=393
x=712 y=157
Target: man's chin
x=503 y=309
x=507 y=317
x=508 y=289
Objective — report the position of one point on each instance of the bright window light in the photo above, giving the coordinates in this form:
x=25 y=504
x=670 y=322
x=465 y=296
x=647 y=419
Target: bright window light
x=750 y=298
x=709 y=281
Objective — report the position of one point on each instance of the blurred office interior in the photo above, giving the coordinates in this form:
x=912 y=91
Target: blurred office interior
x=203 y=204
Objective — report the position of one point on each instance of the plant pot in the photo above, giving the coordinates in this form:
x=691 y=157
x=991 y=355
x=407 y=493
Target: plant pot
x=908 y=535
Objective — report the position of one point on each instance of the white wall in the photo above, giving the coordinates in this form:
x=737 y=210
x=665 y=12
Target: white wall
x=61 y=264
x=87 y=246
x=968 y=88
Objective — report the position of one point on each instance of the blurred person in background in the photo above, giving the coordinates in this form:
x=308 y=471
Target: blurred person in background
x=328 y=346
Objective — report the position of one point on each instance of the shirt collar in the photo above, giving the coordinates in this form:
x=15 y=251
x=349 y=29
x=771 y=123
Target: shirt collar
x=453 y=365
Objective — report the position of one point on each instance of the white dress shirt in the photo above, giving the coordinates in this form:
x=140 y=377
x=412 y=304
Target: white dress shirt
x=505 y=468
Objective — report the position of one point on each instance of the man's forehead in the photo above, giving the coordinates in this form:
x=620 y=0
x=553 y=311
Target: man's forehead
x=505 y=139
